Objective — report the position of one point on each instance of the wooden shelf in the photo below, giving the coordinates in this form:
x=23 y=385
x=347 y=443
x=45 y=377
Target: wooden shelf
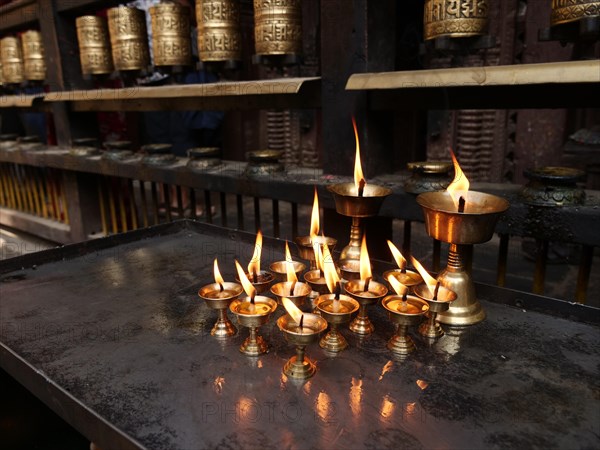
x=259 y=94
x=19 y=101
x=18 y=14
x=561 y=84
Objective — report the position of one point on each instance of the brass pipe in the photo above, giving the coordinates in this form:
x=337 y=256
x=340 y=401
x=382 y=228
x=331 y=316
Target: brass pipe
x=5 y=189
x=111 y=205
x=41 y=188
x=11 y=187
x=17 y=187
x=144 y=203
x=33 y=186
x=27 y=185
x=63 y=199
x=54 y=195
x=102 y=208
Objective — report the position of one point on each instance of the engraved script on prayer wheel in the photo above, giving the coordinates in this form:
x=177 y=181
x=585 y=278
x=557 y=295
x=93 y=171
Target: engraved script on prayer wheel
x=128 y=38
x=455 y=18
x=219 y=36
x=278 y=27
x=564 y=11
x=33 y=56
x=12 y=60
x=171 y=44
x=94 y=47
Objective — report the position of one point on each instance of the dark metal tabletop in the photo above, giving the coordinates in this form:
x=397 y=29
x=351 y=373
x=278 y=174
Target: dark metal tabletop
x=112 y=336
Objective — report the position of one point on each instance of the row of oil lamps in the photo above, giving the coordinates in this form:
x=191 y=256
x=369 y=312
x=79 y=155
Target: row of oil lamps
x=457 y=216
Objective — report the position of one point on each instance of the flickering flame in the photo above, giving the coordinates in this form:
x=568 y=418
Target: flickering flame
x=318 y=257
x=359 y=178
x=331 y=276
x=398 y=257
x=292 y=310
x=365 y=263
x=460 y=184
x=314 y=218
x=218 y=278
x=430 y=282
x=254 y=266
x=398 y=287
x=248 y=288
x=289 y=265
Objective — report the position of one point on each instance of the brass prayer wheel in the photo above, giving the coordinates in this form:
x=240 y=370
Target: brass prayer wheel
x=128 y=38
x=455 y=18
x=34 y=64
x=564 y=11
x=171 y=43
x=94 y=47
x=278 y=27
x=12 y=60
x=219 y=36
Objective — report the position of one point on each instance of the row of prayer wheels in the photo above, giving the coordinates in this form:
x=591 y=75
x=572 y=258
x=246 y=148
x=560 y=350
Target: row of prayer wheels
x=278 y=31
x=22 y=58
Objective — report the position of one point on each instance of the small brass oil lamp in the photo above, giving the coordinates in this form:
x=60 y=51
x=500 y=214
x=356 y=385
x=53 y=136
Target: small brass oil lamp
x=365 y=291
x=405 y=276
x=437 y=297
x=316 y=277
x=252 y=312
x=219 y=295
x=306 y=244
x=295 y=291
x=404 y=310
x=300 y=329
x=336 y=309
x=280 y=269
x=260 y=279
x=356 y=200
x=461 y=218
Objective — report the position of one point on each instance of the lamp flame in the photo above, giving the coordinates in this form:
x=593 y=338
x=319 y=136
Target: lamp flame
x=289 y=265
x=314 y=218
x=359 y=178
x=292 y=310
x=398 y=257
x=318 y=256
x=430 y=282
x=254 y=265
x=218 y=278
x=331 y=276
x=248 y=288
x=398 y=287
x=365 y=263
x=460 y=185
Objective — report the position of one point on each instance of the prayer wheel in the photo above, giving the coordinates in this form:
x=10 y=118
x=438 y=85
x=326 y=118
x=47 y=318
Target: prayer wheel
x=94 y=47
x=34 y=64
x=12 y=60
x=455 y=18
x=565 y=11
x=171 y=44
x=219 y=36
x=128 y=38
x=278 y=27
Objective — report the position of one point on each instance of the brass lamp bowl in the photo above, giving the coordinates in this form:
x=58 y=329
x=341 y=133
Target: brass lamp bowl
x=263 y=281
x=301 y=292
x=348 y=203
x=316 y=281
x=306 y=250
x=401 y=343
x=210 y=294
x=474 y=226
x=254 y=345
x=408 y=278
x=334 y=341
x=431 y=328
x=355 y=288
x=279 y=269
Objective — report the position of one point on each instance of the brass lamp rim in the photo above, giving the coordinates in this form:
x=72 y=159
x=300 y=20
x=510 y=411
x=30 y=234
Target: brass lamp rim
x=380 y=290
x=314 y=320
x=421 y=291
x=410 y=299
x=430 y=167
x=432 y=200
x=258 y=299
x=346 y=190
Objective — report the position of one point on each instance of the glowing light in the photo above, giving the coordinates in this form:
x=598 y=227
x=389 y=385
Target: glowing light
x=314 y=218
x=422 y=384
x=460 y=185
x=330 y=272
x=398 y=257
x=365 y=263
x=292 y=310
x=430 y=282
x=398 y=287
x=289 y=265
x=217 y=272
x=359 y=178
x=254 y=266
x=248 y=288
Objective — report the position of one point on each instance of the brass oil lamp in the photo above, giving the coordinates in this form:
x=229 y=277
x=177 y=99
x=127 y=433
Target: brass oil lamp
x=316 y=277
x=365 y=291
x=300 y=329
x=218 y=296
x=462 y=218
x=437 y=297
x=404 y=310
x=405 y=276
x=295 y=291
x=260 y=279
x=356 y=200
x=252 y=312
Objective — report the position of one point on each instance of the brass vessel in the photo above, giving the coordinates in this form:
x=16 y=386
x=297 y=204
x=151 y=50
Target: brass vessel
x=94 y=47
x=553 y=186
x=219 y=36
x=34 y=64
x=455 y=18
x=565 y=11
x=128 y=38
x=12 y=60
x=171 y=45
x=278 y=27
x=428 y=176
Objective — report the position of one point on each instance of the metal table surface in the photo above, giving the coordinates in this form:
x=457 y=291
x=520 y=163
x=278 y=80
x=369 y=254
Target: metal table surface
x=112 y=336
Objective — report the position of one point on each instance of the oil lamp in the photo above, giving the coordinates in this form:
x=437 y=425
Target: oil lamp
x=356 y=200
x=260 y=279
x=280 y=269
x=316 y=277
x=437 y=297
x=306 y=244
x=405 y=276
x=335 y=308
x=292 y=289
x=365 y=291
x=405 y=310
x=461 y=218
x=300 y=329
x=219 y=295
x=252 y=312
